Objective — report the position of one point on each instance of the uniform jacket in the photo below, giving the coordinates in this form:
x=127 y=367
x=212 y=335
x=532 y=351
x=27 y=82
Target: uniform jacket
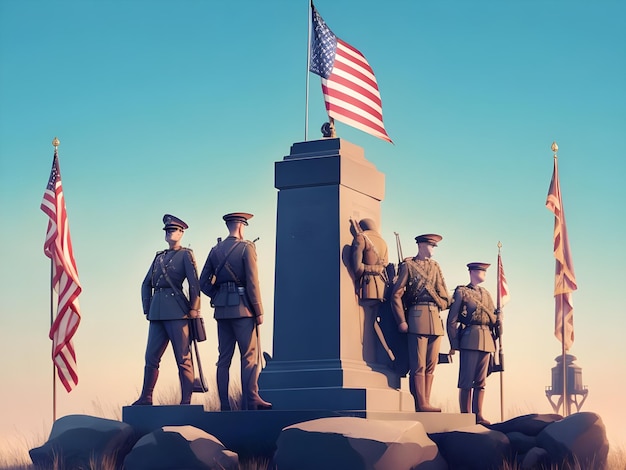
x=369 y=259
x=471 y=318
x=158 y=298
x=422 y=319
x=239 y=295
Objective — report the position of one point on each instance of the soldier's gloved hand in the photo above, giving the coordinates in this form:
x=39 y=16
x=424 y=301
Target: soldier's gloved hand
x=403 y=327
x=259 y=319
x=499 y=327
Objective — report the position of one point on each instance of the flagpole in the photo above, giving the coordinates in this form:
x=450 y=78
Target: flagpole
x=500 y=349
x=308 y=64
x=566 y=410
x=55 y=144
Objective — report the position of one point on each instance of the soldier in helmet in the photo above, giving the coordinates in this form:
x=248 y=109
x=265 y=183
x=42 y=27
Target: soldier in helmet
x=420 y=287
x=471 y=320
x=169 y=310
x=230 y=278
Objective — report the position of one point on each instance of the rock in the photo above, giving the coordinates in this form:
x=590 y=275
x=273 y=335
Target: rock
x=531 y=424
x=79 y=441
x=356 y=443
x=521 y=443
x=535 y=458
x=473 y=448
x=578 y=439
x=180 y=447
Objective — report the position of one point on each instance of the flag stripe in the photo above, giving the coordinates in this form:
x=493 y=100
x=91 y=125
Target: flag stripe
x=58 y=247
x=349 y=86
x=503 y=287
x=564 y=278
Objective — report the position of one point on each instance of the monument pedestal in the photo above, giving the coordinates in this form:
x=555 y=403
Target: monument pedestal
x=319 y=328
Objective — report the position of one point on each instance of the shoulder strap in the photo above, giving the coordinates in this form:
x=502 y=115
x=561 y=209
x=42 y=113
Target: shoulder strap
x=177 y=291
x=223 y=262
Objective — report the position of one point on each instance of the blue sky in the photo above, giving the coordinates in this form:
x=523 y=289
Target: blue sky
x=184 y=107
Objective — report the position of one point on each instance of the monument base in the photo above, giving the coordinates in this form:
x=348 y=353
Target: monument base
x=254 y=433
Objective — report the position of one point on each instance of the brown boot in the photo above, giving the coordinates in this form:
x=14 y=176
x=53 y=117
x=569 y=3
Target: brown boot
x=428 y=385
x=421 y=403
x=465 y=399
x=477 y=405
x=150 y=377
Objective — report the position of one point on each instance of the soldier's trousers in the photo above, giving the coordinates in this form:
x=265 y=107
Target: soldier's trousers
x=423 y=353
x=160 y=334
x=473 y=367
x=241 y=331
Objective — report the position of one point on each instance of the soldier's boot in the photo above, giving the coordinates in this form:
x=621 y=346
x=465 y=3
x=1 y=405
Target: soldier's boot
x=465 y=399
x=477 y=405
x=223 y=377
x=150 y=376
x=421 y=403
x=428 y=385
x=186 y=387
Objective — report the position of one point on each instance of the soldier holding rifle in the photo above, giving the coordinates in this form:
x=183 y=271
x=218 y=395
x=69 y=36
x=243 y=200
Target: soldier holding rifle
x=230 y=278
x=420 y=287
x=471 y=320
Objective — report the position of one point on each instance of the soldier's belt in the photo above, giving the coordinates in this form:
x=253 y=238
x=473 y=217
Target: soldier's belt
x=424 y=302
x=158 y=289
x=229 y=287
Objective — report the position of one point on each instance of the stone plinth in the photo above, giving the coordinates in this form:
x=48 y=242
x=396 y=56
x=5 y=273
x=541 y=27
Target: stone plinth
x=319 y=327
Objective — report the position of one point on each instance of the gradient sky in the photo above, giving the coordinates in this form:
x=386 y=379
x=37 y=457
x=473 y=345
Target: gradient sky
x=183 y=107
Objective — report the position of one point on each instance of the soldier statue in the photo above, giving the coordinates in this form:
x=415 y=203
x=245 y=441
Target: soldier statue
x=230 y=278
x=169 y=310
x=471 y=323
x=369 y=262
x=418 y=296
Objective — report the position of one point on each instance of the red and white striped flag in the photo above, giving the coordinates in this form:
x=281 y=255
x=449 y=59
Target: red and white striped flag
x=58 y=247
x=564 y=278
x=503 y=287
x=348 y=82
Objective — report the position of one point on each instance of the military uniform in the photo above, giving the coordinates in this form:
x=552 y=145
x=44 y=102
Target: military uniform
x=470 y=324
x=168 y=311
x=236 y=297
x=420 y=287
x=369 y=259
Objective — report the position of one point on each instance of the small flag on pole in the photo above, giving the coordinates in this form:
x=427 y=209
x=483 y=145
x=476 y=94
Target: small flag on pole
x=348 y=82
x=58 y=247
x=503 y=287
x=564 y=278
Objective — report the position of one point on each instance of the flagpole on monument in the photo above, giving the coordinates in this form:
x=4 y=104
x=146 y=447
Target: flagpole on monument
x=308 y=65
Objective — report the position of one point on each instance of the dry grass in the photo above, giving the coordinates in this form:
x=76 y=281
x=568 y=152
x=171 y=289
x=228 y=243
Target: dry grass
x=17 y=457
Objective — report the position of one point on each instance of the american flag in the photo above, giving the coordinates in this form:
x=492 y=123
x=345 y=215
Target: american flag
x=348 y=82
x=58 y=247
x=503 y=287
x=564 y=278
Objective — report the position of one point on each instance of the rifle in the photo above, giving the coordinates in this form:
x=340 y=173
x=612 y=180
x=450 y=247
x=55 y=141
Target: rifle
x=398 y=247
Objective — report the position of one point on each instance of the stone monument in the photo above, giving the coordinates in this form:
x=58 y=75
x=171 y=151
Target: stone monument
x=318 y=359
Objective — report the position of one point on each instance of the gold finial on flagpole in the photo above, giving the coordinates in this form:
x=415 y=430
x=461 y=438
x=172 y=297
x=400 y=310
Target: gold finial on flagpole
x=55 y=143
x=499 y=246
x=555 y=148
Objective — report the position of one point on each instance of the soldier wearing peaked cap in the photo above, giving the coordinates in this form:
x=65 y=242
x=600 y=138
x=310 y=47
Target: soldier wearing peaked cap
x=230 y=277
x=420 y=287
x=168 y=310
x=470 y=322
